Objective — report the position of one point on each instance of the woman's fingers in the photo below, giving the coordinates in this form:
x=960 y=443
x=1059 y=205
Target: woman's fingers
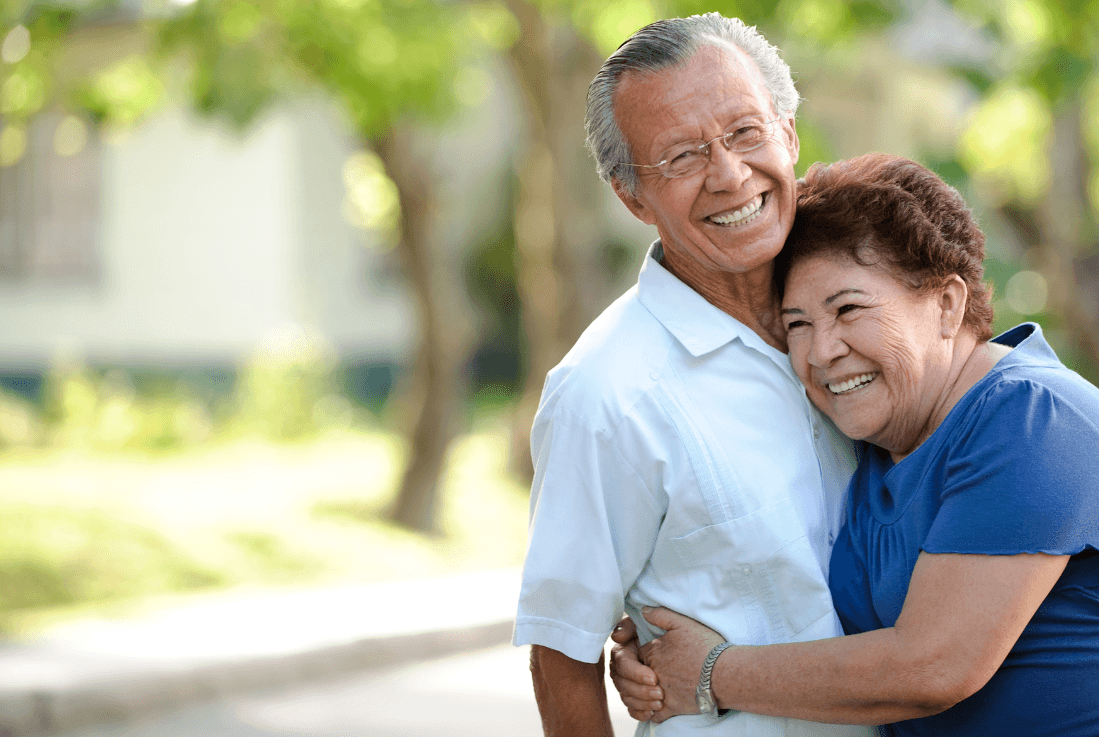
x=626 y=663
x=624 y=631
x=635 y=681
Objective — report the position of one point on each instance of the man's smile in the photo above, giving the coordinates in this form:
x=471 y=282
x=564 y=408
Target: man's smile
x=743 y=216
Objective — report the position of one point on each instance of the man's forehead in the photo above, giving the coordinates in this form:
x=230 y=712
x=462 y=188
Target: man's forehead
x=666 y=83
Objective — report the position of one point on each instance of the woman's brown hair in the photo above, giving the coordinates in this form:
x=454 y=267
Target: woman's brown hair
x=880 y=209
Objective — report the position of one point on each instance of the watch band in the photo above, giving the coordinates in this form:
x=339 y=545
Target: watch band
x=704 y=693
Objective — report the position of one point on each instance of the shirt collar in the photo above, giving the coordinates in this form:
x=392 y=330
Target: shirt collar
x=699 y=326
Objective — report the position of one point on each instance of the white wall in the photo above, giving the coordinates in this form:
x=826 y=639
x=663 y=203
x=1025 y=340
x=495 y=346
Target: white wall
x=211 y=243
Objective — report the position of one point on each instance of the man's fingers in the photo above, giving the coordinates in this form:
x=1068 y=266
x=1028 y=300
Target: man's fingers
x=664 y=618
x=641 y=716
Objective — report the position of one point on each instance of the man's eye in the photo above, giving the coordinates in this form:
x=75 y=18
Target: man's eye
x=681 y=156
x=745 y=133
x=796 y=324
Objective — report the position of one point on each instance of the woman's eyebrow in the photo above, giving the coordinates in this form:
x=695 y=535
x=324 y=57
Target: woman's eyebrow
x=792 y=311
x=842 y=292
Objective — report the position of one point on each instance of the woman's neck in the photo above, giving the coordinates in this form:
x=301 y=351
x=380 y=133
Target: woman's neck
x=972 y=362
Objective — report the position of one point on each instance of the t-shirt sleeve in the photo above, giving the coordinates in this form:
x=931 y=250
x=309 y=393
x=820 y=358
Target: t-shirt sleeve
x=1024 y=476
x=593 y=526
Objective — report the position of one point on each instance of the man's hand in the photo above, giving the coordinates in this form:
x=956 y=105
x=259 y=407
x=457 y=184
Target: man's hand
x=677 y=657
x=635 y=681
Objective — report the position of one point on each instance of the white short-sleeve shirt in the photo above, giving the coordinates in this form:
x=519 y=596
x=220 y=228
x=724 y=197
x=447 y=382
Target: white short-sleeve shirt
x=678 y=463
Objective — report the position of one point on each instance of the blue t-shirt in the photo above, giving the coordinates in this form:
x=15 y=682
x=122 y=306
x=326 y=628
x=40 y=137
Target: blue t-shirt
x=1014 y=468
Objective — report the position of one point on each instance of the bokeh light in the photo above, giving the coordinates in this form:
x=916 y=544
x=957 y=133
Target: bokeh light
x=1027 y=292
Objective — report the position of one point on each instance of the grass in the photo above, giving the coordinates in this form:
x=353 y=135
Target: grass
x=87 y=532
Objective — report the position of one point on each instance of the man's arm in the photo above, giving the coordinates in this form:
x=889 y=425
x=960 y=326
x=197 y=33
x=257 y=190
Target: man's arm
x=572 y=697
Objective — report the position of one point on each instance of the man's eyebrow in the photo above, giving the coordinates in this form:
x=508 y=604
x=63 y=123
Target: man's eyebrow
x=792 y=311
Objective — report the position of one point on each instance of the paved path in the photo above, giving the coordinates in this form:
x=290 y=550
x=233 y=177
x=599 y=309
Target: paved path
x=218 y=647
x=482 y=694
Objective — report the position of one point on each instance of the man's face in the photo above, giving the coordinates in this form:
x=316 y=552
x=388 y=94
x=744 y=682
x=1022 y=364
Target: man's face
x=700 y=100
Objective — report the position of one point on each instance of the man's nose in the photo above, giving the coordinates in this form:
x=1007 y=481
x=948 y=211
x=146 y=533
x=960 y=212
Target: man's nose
x=726 y=170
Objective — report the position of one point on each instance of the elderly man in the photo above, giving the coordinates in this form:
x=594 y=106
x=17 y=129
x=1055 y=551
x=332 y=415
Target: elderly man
x=678 y=461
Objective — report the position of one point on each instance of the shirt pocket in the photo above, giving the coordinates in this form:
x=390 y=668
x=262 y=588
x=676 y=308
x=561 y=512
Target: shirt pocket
x=766 y=558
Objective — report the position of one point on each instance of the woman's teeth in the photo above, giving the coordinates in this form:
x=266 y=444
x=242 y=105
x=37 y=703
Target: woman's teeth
x=742 y=216
x=851 y=384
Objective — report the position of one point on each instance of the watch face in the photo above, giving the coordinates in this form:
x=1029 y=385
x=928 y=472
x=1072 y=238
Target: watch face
x=705 y=701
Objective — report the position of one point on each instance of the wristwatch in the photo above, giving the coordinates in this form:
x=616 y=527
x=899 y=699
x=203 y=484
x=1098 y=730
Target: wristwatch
x=704 y=694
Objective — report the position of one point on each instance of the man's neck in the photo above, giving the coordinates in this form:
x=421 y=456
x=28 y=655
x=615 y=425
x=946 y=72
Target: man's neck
x=750 y=297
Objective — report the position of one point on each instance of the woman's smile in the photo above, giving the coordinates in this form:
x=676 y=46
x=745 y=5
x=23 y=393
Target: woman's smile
x=852 y=384
x=867 y=348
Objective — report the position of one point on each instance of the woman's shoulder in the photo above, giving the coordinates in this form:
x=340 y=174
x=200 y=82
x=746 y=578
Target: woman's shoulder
x=1029 y=388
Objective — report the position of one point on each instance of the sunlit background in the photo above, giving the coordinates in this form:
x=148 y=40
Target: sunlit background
x=280 y=279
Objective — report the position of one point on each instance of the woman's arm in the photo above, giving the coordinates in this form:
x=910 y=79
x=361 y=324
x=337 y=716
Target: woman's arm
x=961 y=617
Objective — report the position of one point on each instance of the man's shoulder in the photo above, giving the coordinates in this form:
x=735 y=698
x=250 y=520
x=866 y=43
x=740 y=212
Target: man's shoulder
x=611 y=363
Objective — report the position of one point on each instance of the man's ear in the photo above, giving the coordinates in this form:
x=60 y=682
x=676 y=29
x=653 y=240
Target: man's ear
x=793 y=145
x=952 y=303
x=632 y=203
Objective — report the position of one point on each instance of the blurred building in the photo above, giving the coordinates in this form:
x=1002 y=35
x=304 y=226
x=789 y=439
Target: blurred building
x=183 y=246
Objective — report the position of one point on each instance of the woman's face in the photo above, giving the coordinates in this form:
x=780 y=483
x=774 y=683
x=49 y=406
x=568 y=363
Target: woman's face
x=869 y=350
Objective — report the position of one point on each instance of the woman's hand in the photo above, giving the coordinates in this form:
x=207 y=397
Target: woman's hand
x=677 y=657
x=635 y=681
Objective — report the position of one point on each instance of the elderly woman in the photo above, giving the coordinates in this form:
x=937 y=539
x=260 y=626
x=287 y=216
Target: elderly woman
x=967 y=575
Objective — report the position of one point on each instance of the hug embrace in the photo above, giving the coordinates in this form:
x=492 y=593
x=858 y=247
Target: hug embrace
x=931 y=571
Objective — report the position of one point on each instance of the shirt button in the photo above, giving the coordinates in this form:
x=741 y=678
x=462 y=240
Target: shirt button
x=654 y=375
x=831 y=539
x=816 y=433
x=747 y=570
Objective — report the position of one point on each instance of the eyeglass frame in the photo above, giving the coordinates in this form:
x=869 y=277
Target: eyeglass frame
x=706 y=147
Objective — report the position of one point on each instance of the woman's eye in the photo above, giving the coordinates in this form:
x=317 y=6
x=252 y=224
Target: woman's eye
x=844 y=309
x=796 y=324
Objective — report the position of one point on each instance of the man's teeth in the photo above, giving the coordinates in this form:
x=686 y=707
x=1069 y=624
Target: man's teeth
x=850 y=384
x=744 y=215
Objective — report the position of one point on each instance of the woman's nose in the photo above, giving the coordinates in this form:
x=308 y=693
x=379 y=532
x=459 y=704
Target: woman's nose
x=826 y=348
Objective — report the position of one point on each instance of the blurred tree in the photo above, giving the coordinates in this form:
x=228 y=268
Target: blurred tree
x=557 y=206
x=1032 y=150
x=391 y=64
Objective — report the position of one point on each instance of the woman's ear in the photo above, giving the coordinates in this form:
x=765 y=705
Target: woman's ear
x=952 y=302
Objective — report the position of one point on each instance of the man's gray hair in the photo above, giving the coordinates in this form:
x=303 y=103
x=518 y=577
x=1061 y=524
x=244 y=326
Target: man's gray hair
x=661 y=45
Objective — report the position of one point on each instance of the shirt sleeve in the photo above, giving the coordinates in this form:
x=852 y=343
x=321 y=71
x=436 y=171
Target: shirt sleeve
x=1024 y=477
x=593 y=526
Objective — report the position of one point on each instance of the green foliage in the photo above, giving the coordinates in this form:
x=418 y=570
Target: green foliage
x=51 y=556
x=287 y=392
x=121 y=94
x=244 y=513
x=383 y=59
x=102 y=411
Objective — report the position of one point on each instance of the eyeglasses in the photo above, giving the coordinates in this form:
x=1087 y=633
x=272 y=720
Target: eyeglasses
x=688 y=157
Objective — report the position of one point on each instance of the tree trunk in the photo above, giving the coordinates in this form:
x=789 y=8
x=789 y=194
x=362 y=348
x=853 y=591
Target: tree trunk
x=1064 y=237
x=557 y=215
x=431 y=395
